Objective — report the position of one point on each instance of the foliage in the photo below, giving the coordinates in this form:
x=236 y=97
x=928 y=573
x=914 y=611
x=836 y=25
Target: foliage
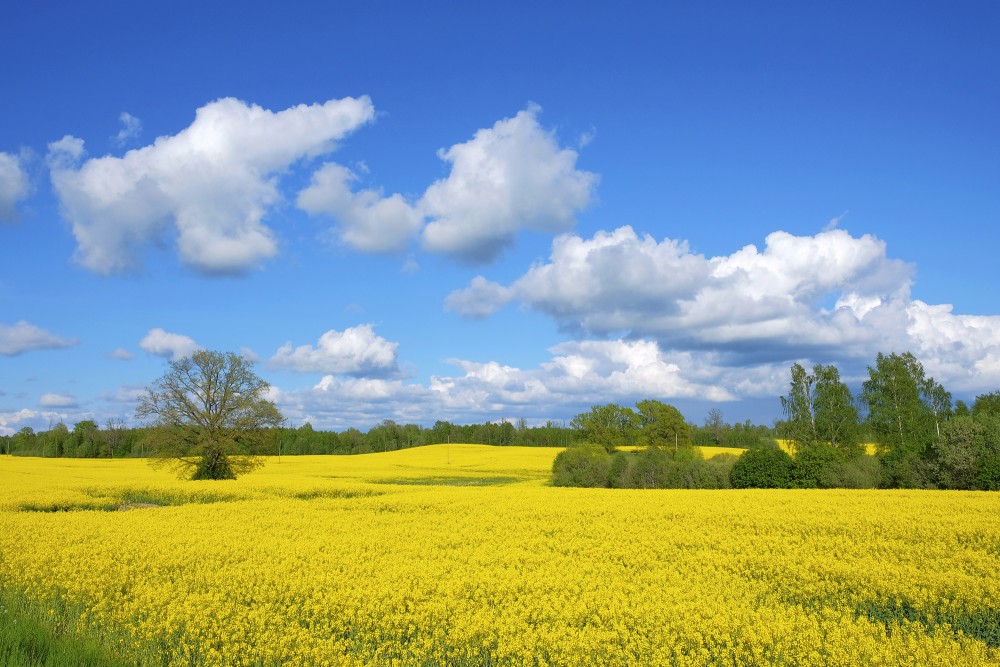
x=583 y=465
x=662 y=425
x=763 y=469
x=211 y=416
x=611 y=426
x=820 y=410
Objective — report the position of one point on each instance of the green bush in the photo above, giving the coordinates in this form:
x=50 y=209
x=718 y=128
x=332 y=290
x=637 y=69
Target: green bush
x=618 y=472
x=762 y=469
x=814 y=467
x=583 y=465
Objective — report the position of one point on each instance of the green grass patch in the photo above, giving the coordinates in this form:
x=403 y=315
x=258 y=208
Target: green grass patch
x=983 y=625
x=29 y=639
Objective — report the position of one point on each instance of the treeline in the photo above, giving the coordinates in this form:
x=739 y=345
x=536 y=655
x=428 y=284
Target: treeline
x=922 y=439
x=88 y=440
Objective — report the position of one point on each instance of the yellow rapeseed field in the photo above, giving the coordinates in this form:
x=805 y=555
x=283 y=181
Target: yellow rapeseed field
x=463 y=555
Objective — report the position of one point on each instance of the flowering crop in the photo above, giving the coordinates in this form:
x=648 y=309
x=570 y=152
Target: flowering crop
x=463 y=555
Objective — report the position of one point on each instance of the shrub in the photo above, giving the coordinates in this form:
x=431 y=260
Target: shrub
x=762 y=469
x=813 y=466
x=581 y=465
x=618 y=471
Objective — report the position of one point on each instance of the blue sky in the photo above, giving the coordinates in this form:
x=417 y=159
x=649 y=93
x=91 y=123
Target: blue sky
x=424 y=211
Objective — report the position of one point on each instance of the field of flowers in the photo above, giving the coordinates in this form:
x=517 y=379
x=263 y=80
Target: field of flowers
x=462 y=555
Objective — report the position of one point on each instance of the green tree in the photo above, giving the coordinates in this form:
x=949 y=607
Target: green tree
x=800 y=425
x=898 y=418
x=610 y=426
x=210 y=416
x=957 y=452
x=821 y=411
x=662 y=425
x=987 y=404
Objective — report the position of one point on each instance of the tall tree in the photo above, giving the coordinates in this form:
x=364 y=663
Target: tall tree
x=835 y=412
x=800 y=427
x=901 y=422
x=210 y=416
x=610 y=425
x=662 y=425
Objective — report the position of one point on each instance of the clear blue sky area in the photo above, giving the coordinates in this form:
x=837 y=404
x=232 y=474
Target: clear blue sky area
x=462 y=211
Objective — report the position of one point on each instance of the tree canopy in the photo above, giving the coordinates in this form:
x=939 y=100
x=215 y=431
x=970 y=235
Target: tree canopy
x=211 y=417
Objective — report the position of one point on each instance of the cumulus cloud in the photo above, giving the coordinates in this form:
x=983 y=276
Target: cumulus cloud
x=367 y=220
x=356 y=351
x=168 y=345
x=14 y=185
x=829 y=297
x=209 y=186
x=121 y=354
x=24 y=337
x=53 y=400
x=577 y=375
x=510 y=177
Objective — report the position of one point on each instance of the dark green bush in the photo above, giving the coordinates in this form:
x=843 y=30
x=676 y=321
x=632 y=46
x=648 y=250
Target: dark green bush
x=762 y=469
x=583 y=465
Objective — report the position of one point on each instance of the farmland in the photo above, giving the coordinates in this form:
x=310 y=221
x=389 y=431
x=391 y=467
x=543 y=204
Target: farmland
x=464 y=555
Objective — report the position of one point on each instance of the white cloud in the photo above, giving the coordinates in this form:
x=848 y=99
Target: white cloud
x=170 y=346
x=480 y=299
x=209 y=185
x=23 y=337
x=829 y=297
x=510 y=177
x=53 y=400
x=577 y=375
x=355 y=351
x=367 y=221
x=507 y=178
x=121 y=354
x=131 y=127
x=14 y=185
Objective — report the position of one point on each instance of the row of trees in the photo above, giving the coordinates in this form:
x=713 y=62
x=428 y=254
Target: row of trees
x=923 y=439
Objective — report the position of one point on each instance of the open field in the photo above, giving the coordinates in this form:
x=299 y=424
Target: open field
x=463 y=555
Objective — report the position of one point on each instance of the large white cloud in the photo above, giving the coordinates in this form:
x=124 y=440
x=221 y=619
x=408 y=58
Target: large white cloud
x=354 y=351
x=510 y=177
x=209 y=185
x=23 y=337
x=14 y=185
x=172 y=346
x=827 y=297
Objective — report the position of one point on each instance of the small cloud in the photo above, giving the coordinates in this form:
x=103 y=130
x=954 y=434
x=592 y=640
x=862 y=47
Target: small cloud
x=835 y=222
x=53 y=400
x=24 y=337
x=411 y=266
x=131 y=127
x=14 y=185
x=121 y=354
x=587 y=138
x=168 y=345
x=249 y=355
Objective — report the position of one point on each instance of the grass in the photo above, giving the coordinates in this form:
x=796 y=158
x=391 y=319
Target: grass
x=28 y=639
